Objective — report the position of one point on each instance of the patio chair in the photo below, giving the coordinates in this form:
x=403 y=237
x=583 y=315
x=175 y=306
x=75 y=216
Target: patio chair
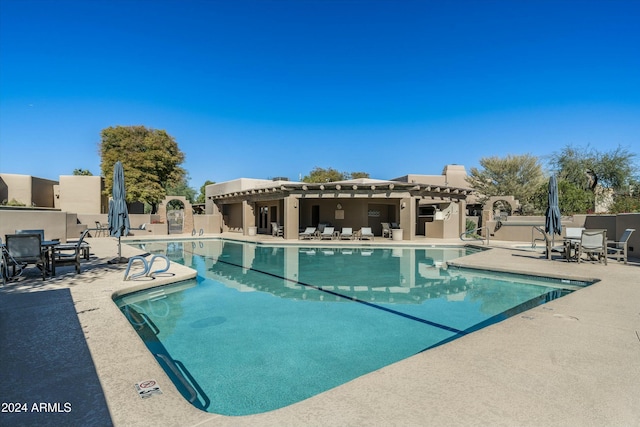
x=309 y=233
x=366 y=233
x=327 y=233
x=4 y=272
x=276 y=230
x=68 y=254
x=25 y=249
x=573 y=233
x=618 y=250
x=593 y=242
x=40 y=232
x=346 y=233
x=101 y=230
x=386 y=229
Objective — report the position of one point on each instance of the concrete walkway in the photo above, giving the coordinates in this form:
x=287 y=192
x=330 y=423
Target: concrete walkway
x=572 y=362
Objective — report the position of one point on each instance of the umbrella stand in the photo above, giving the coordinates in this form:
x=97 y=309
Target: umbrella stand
x=119 y=259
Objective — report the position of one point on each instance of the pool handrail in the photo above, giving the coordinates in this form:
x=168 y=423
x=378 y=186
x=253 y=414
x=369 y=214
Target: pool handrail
x=146 y=266
x=476 y=237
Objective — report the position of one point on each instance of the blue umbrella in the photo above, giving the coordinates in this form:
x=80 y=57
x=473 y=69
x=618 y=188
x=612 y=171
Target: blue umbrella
x=552 y=223
x=118 y=214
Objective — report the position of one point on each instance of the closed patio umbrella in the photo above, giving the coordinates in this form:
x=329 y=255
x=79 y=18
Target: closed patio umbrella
x=118 y=214
x=553 y=223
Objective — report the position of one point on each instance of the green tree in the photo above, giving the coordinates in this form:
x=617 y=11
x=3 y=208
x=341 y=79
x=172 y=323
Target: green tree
x=319 y=174
x=613 y=169
x=82 y=172
x=356 y=175
x=572 y=199
x=151 y=160
x=585 y=167
x=202 y=196
x=515 y=175
x=628 y=201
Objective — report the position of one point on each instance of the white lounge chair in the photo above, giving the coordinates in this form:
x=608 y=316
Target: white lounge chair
x=346 y=233
x=618 y=250
x=308 y=233
x=327 y=233
x=386 y=229
x=366 y=233
x=276 y=230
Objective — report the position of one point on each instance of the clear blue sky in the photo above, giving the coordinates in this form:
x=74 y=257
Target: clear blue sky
x=275 y=88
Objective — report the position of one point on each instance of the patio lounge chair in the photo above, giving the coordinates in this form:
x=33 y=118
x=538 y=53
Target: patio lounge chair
x=618 y=250
x=327 y=233
x=346 y=234
x=68 y=254
x=25 y=249
x=593 y=242
x=366 y=233
x=308 y=233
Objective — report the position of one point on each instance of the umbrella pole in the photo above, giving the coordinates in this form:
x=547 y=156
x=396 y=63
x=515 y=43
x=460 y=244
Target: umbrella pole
x=119 y=259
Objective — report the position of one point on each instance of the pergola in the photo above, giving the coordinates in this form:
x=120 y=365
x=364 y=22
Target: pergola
x=292 y=202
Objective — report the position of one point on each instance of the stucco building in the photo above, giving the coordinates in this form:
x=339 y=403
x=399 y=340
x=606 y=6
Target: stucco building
x=421 y=205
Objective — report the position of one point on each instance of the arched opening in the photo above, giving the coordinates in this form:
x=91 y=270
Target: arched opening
x=177 y=212
x=175 y=216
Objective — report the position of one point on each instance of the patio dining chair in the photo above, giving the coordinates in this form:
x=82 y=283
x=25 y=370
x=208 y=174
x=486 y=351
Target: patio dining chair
x=386 y=229
x=25 y=249
x=101 y=230
x=38 y=231
x=276 y=230
x=593 y=243
x=69 y=254
x=618 y=250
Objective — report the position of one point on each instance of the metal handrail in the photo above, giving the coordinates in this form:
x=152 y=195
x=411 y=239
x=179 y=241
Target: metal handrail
x=146 y=266
x=193 y=394
x=474 y=231
x=541 y=231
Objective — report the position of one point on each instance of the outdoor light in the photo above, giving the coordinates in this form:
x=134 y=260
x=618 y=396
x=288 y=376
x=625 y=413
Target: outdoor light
x=339 y=206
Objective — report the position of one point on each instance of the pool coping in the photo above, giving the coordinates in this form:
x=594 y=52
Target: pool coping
x=497 y=370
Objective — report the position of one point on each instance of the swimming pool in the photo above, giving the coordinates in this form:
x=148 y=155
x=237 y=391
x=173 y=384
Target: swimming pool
x=263 y=327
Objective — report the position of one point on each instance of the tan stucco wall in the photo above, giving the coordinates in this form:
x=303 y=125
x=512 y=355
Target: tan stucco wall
x=18 y=188
x=27 y=190
x=624 y=221
x=42 y=192
x=56 y=225
x=452 y=176
x=207 y=223
x=82 y=194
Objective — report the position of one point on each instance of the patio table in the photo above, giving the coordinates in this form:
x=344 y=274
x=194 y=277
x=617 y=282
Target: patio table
x=571 y=244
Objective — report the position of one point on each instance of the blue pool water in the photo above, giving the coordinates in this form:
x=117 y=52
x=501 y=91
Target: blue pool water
x=263 y=327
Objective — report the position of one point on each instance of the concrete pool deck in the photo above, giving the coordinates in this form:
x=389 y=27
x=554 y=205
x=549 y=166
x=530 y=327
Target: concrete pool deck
x=572 y=362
